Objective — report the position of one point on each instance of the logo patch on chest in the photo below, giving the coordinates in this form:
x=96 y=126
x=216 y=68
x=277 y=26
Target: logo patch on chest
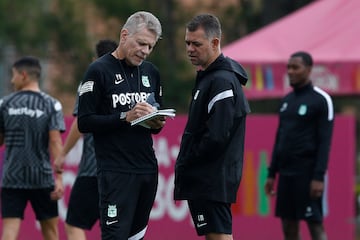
x=302 y=109
x=145 y=81
x=283 y=107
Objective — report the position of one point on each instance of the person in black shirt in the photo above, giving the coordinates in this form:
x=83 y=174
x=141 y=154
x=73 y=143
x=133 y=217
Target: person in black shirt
x=31 y=123
x=83 y=207
x=301 y=151
x=114 y=92
x=209 y=165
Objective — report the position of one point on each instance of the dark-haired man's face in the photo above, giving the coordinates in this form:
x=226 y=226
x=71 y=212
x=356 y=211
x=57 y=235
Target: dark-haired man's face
x=199 y=48
x=298 y=72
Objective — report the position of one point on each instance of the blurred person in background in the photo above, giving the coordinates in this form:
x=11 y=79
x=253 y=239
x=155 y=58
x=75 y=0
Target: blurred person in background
x=83 y=207
x=114 y=92
x=209 y=165
x=301 y=152
x=31 y=123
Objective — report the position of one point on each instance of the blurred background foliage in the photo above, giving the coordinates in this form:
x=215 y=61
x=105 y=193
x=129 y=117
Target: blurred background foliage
x=63 y=34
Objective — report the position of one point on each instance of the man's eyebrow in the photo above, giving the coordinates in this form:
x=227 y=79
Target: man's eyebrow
x=194 y=42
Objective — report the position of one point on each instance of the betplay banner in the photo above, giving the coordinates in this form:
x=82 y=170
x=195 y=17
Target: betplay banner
x=253 y=213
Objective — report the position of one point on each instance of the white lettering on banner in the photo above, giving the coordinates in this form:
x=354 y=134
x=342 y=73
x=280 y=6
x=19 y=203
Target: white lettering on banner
x=321 y=77
x=74 y=156
x=164 y=152
x=164 y=202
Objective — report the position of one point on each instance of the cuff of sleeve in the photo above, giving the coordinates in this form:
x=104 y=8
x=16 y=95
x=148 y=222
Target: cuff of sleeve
x=123 y=116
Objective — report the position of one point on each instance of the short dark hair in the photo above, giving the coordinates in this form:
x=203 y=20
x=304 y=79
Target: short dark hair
x=306 y=57
x=29 y=64
x=104 y=46
x=208 y=22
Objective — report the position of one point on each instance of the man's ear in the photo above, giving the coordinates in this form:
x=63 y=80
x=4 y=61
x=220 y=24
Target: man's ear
x=215 y=43
x=124 y=33
x=309 y=68
x=24 y=75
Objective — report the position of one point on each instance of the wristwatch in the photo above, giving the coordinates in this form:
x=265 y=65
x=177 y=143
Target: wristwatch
x=123 y=116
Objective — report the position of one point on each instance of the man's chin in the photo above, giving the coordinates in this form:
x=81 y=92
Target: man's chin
x=137 y=62
x=194 y=62
x=293 y=83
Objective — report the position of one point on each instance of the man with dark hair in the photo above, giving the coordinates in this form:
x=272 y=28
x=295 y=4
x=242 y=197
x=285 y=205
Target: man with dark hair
x=114 y=92
x=83 y=207
x=301 y=152
x=105 y=46
x=30 y=125
x=209 y=166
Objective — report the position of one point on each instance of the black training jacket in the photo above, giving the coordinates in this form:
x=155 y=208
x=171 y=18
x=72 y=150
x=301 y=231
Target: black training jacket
x=109 y=87
x=303 y=137
x=209 y=164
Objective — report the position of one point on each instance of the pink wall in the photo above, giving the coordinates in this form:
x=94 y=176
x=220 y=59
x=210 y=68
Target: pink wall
x=253 y=212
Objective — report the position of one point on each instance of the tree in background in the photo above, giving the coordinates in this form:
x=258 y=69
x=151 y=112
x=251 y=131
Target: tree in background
x=63 y=32
x=52 y=30
x=273 y=10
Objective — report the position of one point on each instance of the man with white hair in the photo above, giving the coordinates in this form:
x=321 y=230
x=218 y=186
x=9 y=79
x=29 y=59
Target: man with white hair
x=114 y=92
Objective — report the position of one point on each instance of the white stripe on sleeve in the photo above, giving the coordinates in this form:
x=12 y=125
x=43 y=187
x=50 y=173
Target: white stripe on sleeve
x=328 y=102
x=220 y=96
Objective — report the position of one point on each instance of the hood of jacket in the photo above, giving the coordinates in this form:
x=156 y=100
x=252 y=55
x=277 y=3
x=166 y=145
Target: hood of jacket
x=226 y=63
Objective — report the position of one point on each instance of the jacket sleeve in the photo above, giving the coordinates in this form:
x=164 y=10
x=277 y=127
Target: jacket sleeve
x=273 y=168
x=324 y=134
x=158 y=98
x=90 y=98
x=221 y=112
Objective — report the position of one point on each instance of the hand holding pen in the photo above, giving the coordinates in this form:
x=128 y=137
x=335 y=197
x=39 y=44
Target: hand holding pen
x=138 y=110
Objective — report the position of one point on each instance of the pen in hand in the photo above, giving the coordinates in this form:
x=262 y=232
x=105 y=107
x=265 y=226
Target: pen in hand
x=132 y=104
x=151 y=100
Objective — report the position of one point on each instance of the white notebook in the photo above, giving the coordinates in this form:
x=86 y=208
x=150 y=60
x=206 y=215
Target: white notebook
x=158 y=113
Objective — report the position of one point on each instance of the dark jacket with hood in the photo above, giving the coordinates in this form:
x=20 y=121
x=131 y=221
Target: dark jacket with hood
x=209 y=164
